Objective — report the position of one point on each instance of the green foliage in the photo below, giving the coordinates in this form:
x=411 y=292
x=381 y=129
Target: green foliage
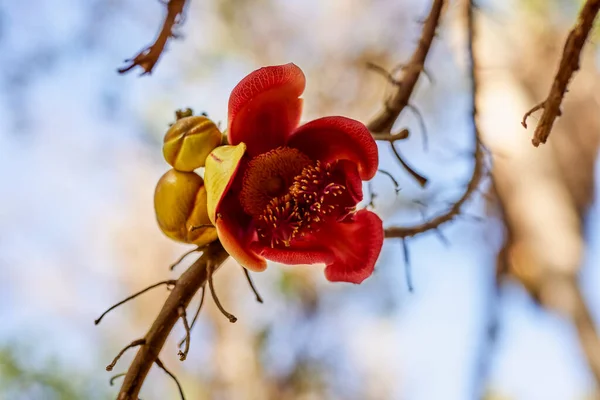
x=20 y=379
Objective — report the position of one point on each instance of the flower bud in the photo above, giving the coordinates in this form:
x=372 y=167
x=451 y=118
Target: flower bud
x=189 y=141
x=180 y=206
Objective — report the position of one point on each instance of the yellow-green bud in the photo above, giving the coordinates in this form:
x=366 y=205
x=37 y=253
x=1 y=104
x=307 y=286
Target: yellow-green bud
x=180 y=205
x=188 y=142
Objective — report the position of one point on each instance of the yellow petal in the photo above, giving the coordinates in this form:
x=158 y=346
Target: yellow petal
x=221 y=166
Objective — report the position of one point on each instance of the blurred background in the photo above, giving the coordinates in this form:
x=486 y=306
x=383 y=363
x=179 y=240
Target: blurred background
x=80 y=151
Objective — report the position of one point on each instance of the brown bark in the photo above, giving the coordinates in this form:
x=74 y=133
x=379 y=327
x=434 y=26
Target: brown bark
x=544 y=192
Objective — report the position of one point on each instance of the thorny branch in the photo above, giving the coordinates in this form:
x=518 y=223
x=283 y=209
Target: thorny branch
x=148 y=57
x=569 y=63
x=183 y=291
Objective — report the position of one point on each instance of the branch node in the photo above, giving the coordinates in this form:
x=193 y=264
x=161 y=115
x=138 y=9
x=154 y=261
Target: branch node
x=569 y=64
x=531 y=111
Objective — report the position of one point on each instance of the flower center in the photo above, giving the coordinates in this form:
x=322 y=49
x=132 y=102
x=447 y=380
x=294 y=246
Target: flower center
x=290 y=196
x=268 y=176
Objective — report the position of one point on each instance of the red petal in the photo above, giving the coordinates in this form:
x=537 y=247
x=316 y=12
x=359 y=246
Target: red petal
x=338 y=138
x=298 y=253
x=346 y=173
x=355 y=245
x=264 y=107
x=349 y=249
x=236 y=233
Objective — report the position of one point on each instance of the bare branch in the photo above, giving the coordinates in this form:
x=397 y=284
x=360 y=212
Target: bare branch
x=117 y=376
x=384 y=121
x=249 y=279
x=203 y=291
x=569 y=63
x=148 y=57
x=185 y=288
x=407 y=266
x=169 y=283
x=162 y=366
x=394 y=181
x=135 y=343
x=416 y=111
x=232 y=318
x=391 y=137
x=478 y=169
x=184 y=255
x=182 y=314
x=418 y=177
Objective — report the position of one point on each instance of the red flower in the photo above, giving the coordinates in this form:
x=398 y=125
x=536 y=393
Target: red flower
x=288 y=193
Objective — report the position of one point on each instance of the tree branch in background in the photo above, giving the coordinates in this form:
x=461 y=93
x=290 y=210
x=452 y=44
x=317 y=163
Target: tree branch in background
x=148 y=57
x=381 y=125
x=384 y=121
x=183 y=291
x=569 y=63
x=492 y=306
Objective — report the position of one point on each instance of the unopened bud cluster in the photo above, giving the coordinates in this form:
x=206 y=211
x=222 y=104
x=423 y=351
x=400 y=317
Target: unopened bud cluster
x=180 y=199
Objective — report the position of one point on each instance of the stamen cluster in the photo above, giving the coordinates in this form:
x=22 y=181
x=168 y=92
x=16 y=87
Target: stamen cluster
x=310 y=199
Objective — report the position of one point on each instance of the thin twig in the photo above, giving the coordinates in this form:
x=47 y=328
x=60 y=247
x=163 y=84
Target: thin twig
x=476 y=176
x=135 y=343
x=184 y=255
x=232 y=318
x=383 y=72
x=162 y=366
x=372 y=194
x=169 y=283
x=407 y=266
x=391 y=137
x=196 y=314
x=249 y=279
x=117 y=376
x=384 y=121
x=441 y=236
x=530 y=112
x=424 y=134
x=418 y=177
x=569 y=63
x=394 y=181
x=186 y=287
x=182 y=314
x=421 y=68
x=148 y=57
